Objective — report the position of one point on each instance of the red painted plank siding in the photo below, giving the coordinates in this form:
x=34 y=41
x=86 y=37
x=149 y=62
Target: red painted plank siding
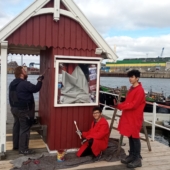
x=60 y=121
x=51 y=4
x=44 y=31
x=61 y=129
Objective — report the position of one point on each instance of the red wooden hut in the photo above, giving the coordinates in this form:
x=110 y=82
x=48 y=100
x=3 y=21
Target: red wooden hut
x=64 y=38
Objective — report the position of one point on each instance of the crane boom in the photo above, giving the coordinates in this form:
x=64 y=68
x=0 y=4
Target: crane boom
x=162 y=52
x=32 y=64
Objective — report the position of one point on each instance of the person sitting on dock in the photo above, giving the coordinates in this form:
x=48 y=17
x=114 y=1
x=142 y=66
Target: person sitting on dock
x=23 y=108
x=96 y=139
x=132 y=119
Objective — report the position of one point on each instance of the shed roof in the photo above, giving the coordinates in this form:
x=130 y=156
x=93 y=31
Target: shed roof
x=36 y=8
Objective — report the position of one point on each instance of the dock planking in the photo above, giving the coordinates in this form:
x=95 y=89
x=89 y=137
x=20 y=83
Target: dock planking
x=157 y=159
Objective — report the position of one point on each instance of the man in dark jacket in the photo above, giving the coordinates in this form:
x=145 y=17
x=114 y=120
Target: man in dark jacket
x=23 y=108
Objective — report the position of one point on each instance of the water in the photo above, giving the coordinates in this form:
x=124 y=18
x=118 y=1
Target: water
x=31 y=78
x=158 y=85
x=162 y=136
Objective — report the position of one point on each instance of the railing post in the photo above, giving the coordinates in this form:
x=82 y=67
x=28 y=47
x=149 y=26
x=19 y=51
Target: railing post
x=153 y=121
x=3 y=100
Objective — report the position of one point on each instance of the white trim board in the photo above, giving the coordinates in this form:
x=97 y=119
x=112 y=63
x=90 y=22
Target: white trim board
x=77 y=57
x=67 y=150
x=51 y=11
x=56 y=10
x=74 y=12
x=3 y=100
x=56 y=83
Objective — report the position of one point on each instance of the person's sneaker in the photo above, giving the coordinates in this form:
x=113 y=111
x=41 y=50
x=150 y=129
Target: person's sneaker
x=128 y=159
x=27 y=152
x=135 y=163
x=97 y=158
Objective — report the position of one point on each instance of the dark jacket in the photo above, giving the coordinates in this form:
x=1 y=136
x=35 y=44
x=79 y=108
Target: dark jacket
x=21 y=92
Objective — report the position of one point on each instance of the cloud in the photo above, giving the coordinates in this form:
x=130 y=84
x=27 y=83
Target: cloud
x=123 y=14
x=4 y=19
x=142 y=25
x=10 y=9
x=106 y=15
x=122 y=23
x=128 y=47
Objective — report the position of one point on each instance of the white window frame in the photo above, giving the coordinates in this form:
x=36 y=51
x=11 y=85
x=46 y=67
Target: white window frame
x=76 y=62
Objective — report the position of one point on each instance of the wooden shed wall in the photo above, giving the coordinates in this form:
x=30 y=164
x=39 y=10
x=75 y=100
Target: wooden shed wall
x=61 y=129
x=44 y=31
x=65 y=37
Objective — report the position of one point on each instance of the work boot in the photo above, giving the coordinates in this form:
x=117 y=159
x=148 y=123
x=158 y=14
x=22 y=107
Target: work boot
x=135 y=163
x=27 y=152
x=128 y=159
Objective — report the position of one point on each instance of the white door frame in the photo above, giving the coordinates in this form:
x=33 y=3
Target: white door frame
x=3 y=104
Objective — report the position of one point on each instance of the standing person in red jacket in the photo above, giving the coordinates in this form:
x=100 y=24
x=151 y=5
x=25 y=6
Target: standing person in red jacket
x=96 y=139
x=132 y=118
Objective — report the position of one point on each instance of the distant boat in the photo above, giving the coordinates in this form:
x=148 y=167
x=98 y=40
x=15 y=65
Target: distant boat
x=150 y=97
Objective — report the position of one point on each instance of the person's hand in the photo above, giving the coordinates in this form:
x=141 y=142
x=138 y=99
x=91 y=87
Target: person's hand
x=79 y=132
x=115 y=102
x=83 y=141
x=40 y=78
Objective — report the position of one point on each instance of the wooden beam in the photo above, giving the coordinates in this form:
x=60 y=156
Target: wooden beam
x=56 y=10
x=25 y=50
x=3 y=104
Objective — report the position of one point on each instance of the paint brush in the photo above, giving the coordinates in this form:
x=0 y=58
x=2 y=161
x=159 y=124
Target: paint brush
x=45 y=71
x=77 y=128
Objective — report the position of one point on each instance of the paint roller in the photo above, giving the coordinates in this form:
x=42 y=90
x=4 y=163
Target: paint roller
x=45 y=71
x=77 y=129
x=42 y=75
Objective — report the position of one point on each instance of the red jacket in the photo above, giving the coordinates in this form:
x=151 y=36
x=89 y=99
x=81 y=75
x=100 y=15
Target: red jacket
x=100 y=135
x=132 y=112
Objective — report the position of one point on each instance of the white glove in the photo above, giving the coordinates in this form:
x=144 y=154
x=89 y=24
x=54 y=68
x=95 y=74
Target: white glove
x=83 y=141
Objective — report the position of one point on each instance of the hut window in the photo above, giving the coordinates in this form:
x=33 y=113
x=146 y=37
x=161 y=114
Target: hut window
x=77 y=83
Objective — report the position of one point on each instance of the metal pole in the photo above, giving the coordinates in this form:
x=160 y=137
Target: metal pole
x=21 y=60
x=153 y=121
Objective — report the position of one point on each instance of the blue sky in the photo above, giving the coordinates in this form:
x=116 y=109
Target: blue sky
x=138 y=29
x=11 y=8
x=15 y=7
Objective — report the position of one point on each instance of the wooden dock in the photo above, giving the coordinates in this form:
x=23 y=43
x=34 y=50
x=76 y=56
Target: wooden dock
x=35 y=143
x=157 y=159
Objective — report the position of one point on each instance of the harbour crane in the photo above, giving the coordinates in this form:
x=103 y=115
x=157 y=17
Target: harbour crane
x=161 y=53
x=31 y=65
